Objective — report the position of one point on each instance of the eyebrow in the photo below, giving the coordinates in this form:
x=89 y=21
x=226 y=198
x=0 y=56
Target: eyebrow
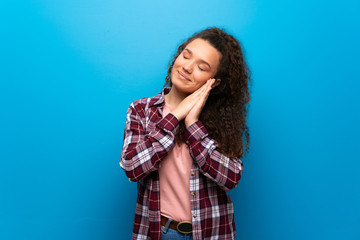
x=202 y=60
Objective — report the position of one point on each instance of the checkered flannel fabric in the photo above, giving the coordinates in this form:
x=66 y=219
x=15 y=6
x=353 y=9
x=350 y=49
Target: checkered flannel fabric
x=148 y=138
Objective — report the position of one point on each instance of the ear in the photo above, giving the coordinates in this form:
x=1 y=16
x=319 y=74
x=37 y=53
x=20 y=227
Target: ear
x=216 y=83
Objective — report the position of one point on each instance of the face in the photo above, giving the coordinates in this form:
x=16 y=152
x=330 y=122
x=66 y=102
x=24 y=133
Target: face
x=197 y=63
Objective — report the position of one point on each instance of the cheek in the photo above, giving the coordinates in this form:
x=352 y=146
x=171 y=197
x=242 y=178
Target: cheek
x=177 y=62
x=202 y=77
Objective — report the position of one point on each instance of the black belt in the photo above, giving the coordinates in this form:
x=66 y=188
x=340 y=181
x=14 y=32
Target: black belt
x=182 y=227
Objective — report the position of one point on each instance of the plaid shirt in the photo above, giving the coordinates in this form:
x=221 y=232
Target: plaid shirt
x=148 y=138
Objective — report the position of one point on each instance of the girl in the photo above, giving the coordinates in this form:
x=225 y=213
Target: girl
x=183 y=146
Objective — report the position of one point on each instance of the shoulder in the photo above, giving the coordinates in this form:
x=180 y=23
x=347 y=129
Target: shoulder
x=146 y=103
x=140 y=102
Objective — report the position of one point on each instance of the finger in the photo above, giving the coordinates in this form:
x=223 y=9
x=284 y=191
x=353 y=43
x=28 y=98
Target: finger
x=200 y=90
x=209 y=83
x=216 y=83
x=213 y=81
x=209 y=89
x=206 y=93
x=204 y=89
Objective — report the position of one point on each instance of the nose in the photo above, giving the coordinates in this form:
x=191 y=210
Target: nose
x=188 y=66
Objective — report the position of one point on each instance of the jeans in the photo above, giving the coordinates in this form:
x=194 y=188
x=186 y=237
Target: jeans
x=171 y=234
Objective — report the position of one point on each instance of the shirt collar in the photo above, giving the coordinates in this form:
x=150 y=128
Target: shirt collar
x=160 y=98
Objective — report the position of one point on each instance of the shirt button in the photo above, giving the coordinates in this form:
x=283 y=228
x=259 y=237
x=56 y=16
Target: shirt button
x=192 y=173
x=129 y=179
x=187 y=142
x=194 y=216
x=192 y=193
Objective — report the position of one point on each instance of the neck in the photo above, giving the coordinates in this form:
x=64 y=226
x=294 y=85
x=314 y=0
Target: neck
x=174 y=97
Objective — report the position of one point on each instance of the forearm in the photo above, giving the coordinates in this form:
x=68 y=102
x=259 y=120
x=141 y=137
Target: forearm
x=143 y=151
x=225 y=171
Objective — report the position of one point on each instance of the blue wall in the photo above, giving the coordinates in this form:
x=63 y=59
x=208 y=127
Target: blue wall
x=69 y=69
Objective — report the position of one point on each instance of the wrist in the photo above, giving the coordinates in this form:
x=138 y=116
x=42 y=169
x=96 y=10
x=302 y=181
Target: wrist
x=177 y=115
x=189 y=122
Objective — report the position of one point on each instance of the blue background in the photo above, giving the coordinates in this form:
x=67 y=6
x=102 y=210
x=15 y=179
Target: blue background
x=69 y=70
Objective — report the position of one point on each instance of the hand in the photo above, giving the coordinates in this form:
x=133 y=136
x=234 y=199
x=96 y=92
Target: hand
x=198 y=99
x=195 y=111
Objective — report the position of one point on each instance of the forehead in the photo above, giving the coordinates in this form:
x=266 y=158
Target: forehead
x=203 y=50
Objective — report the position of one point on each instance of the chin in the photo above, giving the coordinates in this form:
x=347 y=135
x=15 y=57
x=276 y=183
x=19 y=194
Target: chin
x=182 y=87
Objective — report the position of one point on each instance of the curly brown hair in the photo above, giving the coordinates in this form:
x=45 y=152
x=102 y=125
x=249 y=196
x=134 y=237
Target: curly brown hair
x=225 y=111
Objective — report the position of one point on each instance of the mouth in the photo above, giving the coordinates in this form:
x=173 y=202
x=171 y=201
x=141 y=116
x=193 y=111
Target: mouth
x=181 y=76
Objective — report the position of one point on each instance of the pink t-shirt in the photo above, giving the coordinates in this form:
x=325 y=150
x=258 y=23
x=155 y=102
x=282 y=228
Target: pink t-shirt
x=174 y=173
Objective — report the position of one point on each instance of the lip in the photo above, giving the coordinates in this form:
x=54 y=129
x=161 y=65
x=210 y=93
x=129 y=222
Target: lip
x=181 y=76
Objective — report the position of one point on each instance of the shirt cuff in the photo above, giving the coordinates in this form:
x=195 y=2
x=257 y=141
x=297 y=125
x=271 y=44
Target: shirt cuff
x=195 y=132
x=169 y=122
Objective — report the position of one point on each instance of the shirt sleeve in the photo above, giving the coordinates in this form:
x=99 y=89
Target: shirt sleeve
x=225 y=171
x=142 y=150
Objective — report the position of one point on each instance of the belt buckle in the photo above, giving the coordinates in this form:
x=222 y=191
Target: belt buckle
x=184 y=227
